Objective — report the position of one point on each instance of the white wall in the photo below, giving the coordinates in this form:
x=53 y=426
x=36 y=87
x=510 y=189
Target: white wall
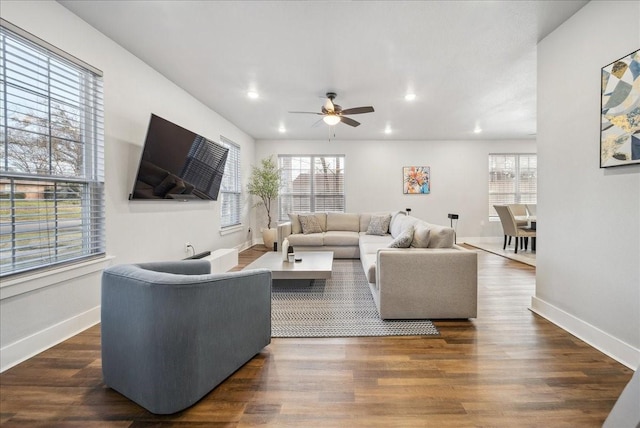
x=588 y=264
x=373 y=176
x=36 y=314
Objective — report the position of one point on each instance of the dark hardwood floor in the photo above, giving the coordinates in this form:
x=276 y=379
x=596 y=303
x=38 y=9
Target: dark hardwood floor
x=507 y=368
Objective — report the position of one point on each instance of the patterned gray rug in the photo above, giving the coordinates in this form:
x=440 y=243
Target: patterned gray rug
x=338 y=307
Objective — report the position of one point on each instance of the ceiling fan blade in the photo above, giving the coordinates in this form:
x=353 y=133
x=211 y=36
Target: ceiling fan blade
x=317 y=123
x=306 y=112
x=349 y=121
x=358 y=110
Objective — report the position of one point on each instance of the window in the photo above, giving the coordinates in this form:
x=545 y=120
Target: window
x=311 y=184
x=231 y=188
x=51 y=156
x=512 y=180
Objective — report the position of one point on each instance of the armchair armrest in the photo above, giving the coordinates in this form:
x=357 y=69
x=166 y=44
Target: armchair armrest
x=180 y=267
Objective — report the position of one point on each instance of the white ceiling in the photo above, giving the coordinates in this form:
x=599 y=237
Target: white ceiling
x=470 y=63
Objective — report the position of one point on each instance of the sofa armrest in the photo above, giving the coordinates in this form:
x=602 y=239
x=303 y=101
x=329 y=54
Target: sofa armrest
x=427 y=283
x=284 y=230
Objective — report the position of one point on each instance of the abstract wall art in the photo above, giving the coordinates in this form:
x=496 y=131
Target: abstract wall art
x=416 y=180
x=620 y=112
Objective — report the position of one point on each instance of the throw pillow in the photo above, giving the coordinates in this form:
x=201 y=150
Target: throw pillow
x=310 y=224
x=404 y=239
x=421 y=236
x=379 y=225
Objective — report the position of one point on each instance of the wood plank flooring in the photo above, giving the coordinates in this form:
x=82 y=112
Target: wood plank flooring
x=507 y=368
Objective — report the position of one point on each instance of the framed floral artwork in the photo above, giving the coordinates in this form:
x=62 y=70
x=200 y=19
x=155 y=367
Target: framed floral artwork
x=620 y=112
x=416 y=180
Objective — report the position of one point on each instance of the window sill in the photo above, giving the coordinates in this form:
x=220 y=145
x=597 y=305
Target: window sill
x=231 y=229
x=27 y=283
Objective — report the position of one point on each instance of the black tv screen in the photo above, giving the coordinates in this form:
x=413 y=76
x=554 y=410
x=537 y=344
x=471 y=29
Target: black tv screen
x=178 y=164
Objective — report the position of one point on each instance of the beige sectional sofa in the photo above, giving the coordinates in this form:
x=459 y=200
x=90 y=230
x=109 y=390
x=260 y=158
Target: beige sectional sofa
x=430 y=279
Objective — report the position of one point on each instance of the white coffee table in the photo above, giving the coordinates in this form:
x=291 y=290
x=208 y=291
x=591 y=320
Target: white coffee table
x=314 y=265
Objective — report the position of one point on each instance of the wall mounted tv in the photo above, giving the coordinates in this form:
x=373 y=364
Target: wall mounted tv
x=178 y=164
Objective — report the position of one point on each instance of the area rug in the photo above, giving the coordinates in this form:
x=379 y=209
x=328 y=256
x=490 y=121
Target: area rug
x=338 y=307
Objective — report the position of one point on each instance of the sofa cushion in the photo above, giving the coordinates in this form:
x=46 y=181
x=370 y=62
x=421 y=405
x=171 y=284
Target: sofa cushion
x=309 y=224
x=372 y=247
x=295 y=223
x=421 y=235
x=312 y=239
x=343 y=221
x=402 y=223
x=341 y=238
x=372 y=243
x=404 y=239
x=365 y=219
x=395 y=224
x=369 y=266
x=440 y=236
x=379 y=225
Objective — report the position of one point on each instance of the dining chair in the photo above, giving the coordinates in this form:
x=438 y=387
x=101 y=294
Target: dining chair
x=510 y=227
x=531 y=209
x=519 y=212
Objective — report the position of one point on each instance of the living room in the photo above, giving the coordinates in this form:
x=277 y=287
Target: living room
x=587 y=272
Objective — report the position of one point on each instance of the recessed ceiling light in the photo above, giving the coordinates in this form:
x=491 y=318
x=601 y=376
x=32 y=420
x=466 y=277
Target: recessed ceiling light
x=252 y=94
x=477 y=130
x=410 y=97
x=282 y=129
x=387 y=130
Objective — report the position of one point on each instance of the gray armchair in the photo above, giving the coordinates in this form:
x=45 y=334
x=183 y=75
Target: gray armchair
x=171 y=332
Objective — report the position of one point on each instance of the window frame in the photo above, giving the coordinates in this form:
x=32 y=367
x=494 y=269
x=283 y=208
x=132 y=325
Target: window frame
x=232 y=195
x=314 y=192
x=65 y=210
x=520 y=194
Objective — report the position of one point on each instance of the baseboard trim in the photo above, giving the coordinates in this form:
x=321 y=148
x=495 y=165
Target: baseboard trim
x=17 y=352
x=602 y=341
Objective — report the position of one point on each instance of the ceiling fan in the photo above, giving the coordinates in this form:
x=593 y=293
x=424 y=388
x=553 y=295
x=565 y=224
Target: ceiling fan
x=333 y=113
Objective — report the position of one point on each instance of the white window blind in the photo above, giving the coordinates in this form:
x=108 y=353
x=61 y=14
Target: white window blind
x=231 y=188
x=311 y=184
x=513 y=179
x=51 y=156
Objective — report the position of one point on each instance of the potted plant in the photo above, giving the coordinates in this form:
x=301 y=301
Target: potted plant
x=264 y=183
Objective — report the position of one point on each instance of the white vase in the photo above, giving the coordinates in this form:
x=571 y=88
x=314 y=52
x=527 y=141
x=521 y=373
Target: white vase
x=285 y=249
x=269 y=237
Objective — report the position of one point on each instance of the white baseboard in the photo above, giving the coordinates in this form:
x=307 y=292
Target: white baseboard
x=23 y=349
x=481 y=239
x=604 y=342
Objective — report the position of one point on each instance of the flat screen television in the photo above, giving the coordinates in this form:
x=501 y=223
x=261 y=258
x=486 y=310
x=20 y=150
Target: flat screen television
x=178 y=164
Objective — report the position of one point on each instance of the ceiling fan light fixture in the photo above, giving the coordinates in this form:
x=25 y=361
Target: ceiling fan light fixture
x=331 y=119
